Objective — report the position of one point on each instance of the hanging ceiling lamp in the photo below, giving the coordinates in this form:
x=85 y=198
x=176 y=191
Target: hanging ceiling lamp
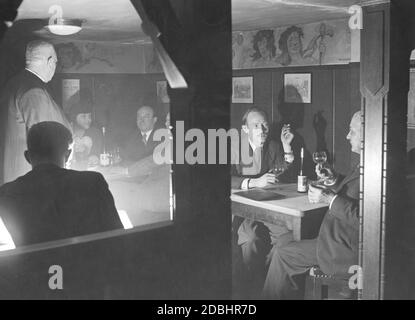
x=64 y=27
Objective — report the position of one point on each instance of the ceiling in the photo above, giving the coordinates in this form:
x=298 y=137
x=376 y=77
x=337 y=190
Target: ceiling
x=259 y=14
x=109 y=20
x=117 y=20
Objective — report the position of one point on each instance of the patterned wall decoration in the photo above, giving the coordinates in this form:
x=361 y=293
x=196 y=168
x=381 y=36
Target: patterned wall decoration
x=322 y=43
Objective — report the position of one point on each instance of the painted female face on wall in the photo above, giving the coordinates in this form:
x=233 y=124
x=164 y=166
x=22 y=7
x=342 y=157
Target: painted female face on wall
x=66 y=57
x=263 y=48
x=294 y=43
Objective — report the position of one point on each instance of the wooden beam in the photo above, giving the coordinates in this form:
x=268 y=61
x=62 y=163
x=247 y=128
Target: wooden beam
x=384 y=88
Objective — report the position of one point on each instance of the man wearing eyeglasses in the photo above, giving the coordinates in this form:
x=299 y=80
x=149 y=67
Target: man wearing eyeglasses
x=26 y=101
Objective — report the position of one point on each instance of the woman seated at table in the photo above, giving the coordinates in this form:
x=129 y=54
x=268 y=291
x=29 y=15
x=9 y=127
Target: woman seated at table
x=87 y=139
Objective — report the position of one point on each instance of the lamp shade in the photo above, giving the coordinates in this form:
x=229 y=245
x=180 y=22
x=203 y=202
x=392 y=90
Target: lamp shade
x=64 y=27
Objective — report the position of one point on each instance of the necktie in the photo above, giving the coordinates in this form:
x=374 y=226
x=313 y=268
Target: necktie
x=257 y=159
x=145 y=138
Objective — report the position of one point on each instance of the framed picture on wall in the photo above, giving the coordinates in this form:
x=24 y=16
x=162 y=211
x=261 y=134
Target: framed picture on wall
x=411 y=100
x=70 y=93
x=297 y=87
x=242 y=90
x=162 y=94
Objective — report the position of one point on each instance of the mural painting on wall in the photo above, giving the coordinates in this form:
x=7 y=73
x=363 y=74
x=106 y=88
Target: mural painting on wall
x=297 y=45
x=89 y=57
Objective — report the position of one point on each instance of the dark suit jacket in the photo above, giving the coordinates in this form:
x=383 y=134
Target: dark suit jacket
x=51 y=203
x=337 y=243
x=135 y=149
x=272 y=155
x=25 y=101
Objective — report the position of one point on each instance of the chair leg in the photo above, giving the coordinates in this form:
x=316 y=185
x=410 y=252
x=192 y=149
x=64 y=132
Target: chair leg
x=324 y=292
x=318 y=289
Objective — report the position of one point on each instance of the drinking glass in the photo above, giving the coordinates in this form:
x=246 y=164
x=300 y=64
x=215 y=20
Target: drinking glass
x=117 y=157
x=278 y=170
x=320 y=158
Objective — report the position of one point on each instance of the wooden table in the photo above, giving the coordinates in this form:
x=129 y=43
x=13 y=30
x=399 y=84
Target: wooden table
x=145 y=198
x=293 y=211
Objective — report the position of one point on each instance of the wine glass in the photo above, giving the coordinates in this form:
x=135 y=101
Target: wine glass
x=320 y=158
x=278 y=170
x=117 y=157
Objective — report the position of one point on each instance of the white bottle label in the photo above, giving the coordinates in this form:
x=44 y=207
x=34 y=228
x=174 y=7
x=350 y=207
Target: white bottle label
x=302 y=184
x=104 y=159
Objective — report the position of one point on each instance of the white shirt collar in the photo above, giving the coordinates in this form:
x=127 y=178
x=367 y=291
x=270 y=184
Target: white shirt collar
x=147 y=133
x=253 y=146
x=36 y=74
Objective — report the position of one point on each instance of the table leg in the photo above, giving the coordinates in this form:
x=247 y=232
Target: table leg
x=296 y=225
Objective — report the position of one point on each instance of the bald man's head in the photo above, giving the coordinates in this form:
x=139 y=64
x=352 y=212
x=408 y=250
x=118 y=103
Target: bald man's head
x=41 y=58
x=355 y=132
x=146 y=119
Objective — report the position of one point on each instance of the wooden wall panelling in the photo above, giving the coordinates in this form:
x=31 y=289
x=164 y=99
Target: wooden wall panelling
x=335 y=92
x=384 y=87
x=300 y=115
x=342 y=112
x=262 y=95
x=373 y=88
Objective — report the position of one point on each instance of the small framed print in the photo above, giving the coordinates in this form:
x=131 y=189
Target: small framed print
x=162 y=94
x=242 y=90
x=297 y=87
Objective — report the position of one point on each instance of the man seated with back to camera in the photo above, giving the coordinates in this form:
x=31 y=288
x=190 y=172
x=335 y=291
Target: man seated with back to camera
x=335 y=249
x=255 y=238
x=51 y=202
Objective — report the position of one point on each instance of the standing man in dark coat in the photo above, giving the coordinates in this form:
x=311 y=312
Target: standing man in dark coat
x=336 y=248
x=50 y=202
x=26 y=101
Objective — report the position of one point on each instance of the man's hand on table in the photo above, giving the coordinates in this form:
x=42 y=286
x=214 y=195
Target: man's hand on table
x=118 y=170
x=320 y=195
x=261 y=182
x=93 y=161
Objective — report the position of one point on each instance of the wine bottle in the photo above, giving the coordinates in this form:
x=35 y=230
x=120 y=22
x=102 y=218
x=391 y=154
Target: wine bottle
x=104 y=158
x=301 y=179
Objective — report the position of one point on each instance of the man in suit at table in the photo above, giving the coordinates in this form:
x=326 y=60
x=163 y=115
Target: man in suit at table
x=336 y=248
x=27 y=101
x=253 y=237
x=141 y=143
x=50 y=202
